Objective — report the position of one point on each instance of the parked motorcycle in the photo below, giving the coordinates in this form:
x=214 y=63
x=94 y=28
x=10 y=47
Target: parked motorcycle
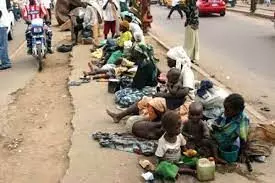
x=39 y=44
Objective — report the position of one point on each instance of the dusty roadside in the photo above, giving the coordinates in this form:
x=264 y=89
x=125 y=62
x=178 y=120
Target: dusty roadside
x=36 y=134
x=89 y=162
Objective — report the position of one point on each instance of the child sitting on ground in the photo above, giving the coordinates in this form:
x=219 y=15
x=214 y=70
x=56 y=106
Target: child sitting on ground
x=198 y=134
x=174 y=83
x=171 y=144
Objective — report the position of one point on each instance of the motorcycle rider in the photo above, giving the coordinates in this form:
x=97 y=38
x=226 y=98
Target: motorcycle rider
x=33 y=11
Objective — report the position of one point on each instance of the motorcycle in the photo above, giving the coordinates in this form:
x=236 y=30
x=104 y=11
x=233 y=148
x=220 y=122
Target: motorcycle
x=39 y=43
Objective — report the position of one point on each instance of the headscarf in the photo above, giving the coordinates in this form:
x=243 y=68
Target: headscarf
x=158 y=103
x=125 y=24
x=148 y=105
x=179 y=54
x=183 y=63
x=139 y=37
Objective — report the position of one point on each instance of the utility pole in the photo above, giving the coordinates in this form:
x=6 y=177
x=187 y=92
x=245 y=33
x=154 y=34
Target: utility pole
x=253 y=6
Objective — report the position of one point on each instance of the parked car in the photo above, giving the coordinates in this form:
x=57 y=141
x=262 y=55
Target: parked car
x=211 y=6
x=8 y=17
x=274 y=19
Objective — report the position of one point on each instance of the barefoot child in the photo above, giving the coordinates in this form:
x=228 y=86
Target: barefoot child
x=198 y=133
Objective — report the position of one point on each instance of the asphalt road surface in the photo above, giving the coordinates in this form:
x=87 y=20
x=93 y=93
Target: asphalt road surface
x=237 y=49
x=23 y=68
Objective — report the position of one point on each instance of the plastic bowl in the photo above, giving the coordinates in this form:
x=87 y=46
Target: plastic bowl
x=229 y=153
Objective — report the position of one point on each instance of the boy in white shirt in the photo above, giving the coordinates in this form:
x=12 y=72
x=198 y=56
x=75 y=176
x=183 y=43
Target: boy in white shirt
x=171 y=144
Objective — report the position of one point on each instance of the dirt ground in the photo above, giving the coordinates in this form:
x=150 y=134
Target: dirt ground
x=35 y=137
x=46 y=138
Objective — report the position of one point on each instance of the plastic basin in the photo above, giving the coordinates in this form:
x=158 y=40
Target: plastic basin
x=229 y=153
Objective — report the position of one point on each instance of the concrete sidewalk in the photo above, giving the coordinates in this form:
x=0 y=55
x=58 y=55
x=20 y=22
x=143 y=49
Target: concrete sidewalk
x=262 y=10
x=88 y=163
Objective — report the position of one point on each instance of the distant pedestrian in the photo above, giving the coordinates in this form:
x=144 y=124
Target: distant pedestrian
x=191 y=43
x=4 y=55
x=110 y=13
x=47 y=5
x=175 y=6
x=268 y=3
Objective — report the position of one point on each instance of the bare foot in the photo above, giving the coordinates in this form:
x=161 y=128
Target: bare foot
x=91 y=67
x=115 y=117
x=85 y=73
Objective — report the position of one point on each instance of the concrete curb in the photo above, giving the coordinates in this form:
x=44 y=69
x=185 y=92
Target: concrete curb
x=249 y=14
x=249 y=108
x=243 y=6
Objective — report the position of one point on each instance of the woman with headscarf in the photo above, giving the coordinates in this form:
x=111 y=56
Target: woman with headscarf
x=145 y=121
x=177 y=57
x=191 y=43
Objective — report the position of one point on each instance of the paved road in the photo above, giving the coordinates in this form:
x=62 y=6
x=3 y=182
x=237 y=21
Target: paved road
x=24 y=68
x=237 y=49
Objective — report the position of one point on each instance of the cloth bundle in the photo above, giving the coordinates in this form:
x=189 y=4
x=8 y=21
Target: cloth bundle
x=126 y=142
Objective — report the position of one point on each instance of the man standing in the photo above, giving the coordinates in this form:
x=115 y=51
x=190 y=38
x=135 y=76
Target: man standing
x=191 y=43
x=110 y=9
x=47 y=5
x=4 y=57
x=175 y=6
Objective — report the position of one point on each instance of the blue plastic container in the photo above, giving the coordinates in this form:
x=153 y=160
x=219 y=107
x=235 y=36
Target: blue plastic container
x=229 y=153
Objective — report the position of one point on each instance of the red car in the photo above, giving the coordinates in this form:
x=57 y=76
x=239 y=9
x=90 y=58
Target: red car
x=211 y=6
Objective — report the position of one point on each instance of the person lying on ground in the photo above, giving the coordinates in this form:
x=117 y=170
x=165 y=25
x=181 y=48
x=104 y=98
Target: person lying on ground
x=145 y=122
x=233 y=126
x=142 y=128
x=198 y=134
x=151 y=109
x=109 y=70
x=172 y=143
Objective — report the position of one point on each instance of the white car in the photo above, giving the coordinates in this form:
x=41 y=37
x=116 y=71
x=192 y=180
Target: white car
x=8 y=18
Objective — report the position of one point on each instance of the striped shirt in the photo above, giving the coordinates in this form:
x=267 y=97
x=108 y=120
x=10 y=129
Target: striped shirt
x=34 y=11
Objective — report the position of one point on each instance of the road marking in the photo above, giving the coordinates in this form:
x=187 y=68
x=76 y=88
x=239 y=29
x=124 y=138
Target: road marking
x=17 y=50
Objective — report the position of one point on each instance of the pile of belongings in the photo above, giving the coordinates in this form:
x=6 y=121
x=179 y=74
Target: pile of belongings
x=261 y=140
x=211 y=98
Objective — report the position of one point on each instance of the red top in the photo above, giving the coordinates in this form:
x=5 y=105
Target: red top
x=34 y=11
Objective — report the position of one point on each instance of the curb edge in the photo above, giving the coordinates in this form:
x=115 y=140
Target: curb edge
x=249 y=14
x=249 y=108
